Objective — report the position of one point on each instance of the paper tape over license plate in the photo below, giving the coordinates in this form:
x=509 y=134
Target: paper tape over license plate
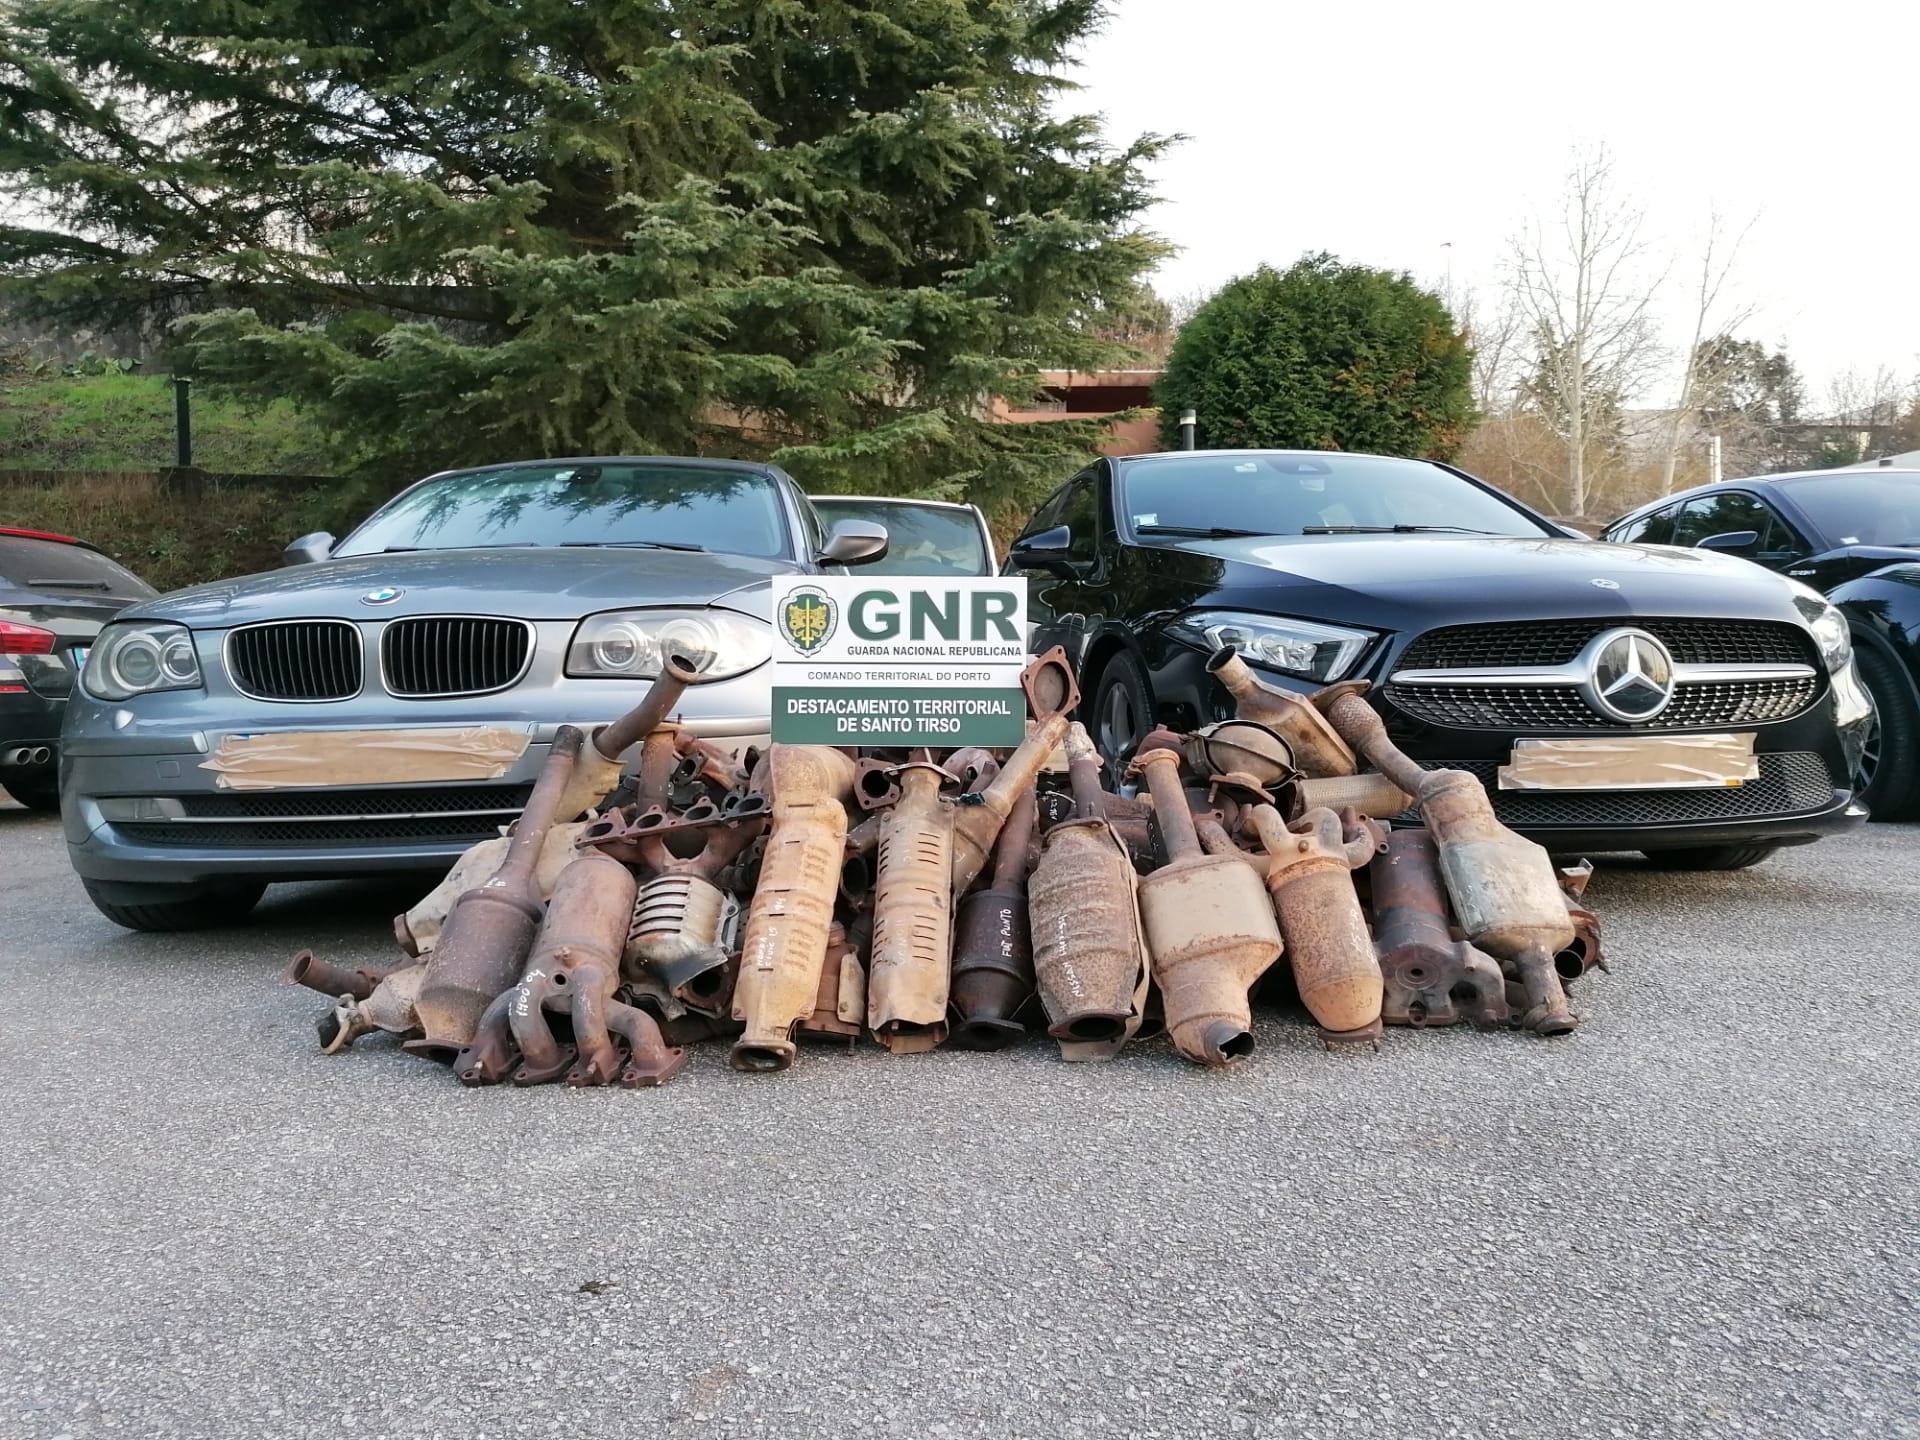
x=1632 y=762
x=288 y=759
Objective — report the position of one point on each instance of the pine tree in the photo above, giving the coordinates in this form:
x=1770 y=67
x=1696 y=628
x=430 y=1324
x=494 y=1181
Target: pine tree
x=828 y=231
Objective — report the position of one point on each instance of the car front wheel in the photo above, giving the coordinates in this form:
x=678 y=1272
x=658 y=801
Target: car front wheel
x=201 y=910
x=1122 y=711
x=1886 y=780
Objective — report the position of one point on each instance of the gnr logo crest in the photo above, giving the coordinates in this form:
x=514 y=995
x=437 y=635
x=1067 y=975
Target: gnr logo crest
x=808 y=618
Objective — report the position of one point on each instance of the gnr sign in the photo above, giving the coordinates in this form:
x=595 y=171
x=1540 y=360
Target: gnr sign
x=899 y=660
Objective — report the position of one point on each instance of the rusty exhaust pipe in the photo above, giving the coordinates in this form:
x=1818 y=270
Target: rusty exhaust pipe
x=791 y=913
x=1051 y=693
x=1317 y=748
x=1430 y=978
x=1309 y=875
x=1089 y=959
x=331 y=980
x=600 y=765
x=1209 y=924
x=1502 y=886
x=909 y=971
x=491 y=927
x=993 y=948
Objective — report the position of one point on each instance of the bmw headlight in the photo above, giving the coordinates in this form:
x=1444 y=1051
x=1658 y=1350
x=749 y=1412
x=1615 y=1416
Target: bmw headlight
x=138 y=657
x=1306 y=648
x=1828 y=624
x=630 y=644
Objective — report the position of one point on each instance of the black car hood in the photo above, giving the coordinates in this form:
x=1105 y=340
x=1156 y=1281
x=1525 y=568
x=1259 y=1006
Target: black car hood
x=1399 y=582
x=532 y=583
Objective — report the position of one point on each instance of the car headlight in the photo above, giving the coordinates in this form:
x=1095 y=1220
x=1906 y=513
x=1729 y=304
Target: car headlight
x=1305 y=648
x=630 y=644
x=1829 y=626
x=139 y=657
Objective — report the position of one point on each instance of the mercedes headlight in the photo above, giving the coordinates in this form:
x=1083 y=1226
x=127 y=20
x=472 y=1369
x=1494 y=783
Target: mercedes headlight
x=630 y=644
x=1828 y=624
x=139 y=657
x=1306 y=648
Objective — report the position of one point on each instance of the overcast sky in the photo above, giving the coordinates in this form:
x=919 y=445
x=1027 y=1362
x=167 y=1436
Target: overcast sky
x=1421 y=135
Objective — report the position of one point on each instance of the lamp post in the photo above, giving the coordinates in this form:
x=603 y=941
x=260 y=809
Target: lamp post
x=1189 y=424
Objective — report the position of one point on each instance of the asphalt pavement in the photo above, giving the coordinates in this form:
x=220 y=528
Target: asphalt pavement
x=1695 y=1217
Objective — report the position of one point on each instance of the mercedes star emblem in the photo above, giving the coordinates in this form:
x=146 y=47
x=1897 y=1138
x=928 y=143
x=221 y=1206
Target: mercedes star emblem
x=1629 y=676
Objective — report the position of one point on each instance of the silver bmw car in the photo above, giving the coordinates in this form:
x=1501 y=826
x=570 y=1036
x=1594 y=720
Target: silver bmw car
x=387 y=699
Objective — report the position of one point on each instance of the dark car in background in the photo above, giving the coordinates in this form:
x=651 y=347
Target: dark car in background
x=216 y=740
x=55 y=594
x=924 y=537
x=1838 y=531
x=1479 y=623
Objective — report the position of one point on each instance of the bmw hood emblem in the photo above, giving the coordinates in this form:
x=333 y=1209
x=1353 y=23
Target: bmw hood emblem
x=1605 y=584
x=383 y=595
x=1628 y=676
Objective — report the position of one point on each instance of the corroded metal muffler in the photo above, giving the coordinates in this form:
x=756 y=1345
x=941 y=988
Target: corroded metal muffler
x=1503 y=886
x=993 y=945
x=1209 y=925
x=491 y=927
x=792 y=910
x=909 y=970
x=1088 y=956
x=1309 y=875
x=1051 y=693
x=1431 y=978
x=1316 y=746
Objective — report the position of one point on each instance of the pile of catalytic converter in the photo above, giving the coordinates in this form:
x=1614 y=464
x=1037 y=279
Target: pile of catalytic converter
x=961 y=899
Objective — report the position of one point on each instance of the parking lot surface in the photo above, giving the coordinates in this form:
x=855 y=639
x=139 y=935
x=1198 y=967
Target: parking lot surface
x=1695 y=1217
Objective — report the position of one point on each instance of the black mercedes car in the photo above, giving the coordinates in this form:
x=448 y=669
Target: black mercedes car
x=55 y=594
x=1481 y=624
x=1839 y=531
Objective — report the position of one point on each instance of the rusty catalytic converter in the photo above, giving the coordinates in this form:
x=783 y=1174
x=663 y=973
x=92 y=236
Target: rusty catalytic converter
x=1088 y=956
x=417 y=930
x=1309 y=875
x=791 y=913
x=388 y=1006
x=1209 y=925
x=1051 y=693
x=993 y=945
x=1431 y=978
x=1316 y=747
x=908 y=970
x=1503 y=886
x=683 y=923
x=490 y=928
x=573 y=971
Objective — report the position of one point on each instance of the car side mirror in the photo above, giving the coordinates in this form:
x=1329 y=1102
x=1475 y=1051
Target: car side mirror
x=1733 y=542
x=309 y=549
x=855 y=542
x=1046 y=550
